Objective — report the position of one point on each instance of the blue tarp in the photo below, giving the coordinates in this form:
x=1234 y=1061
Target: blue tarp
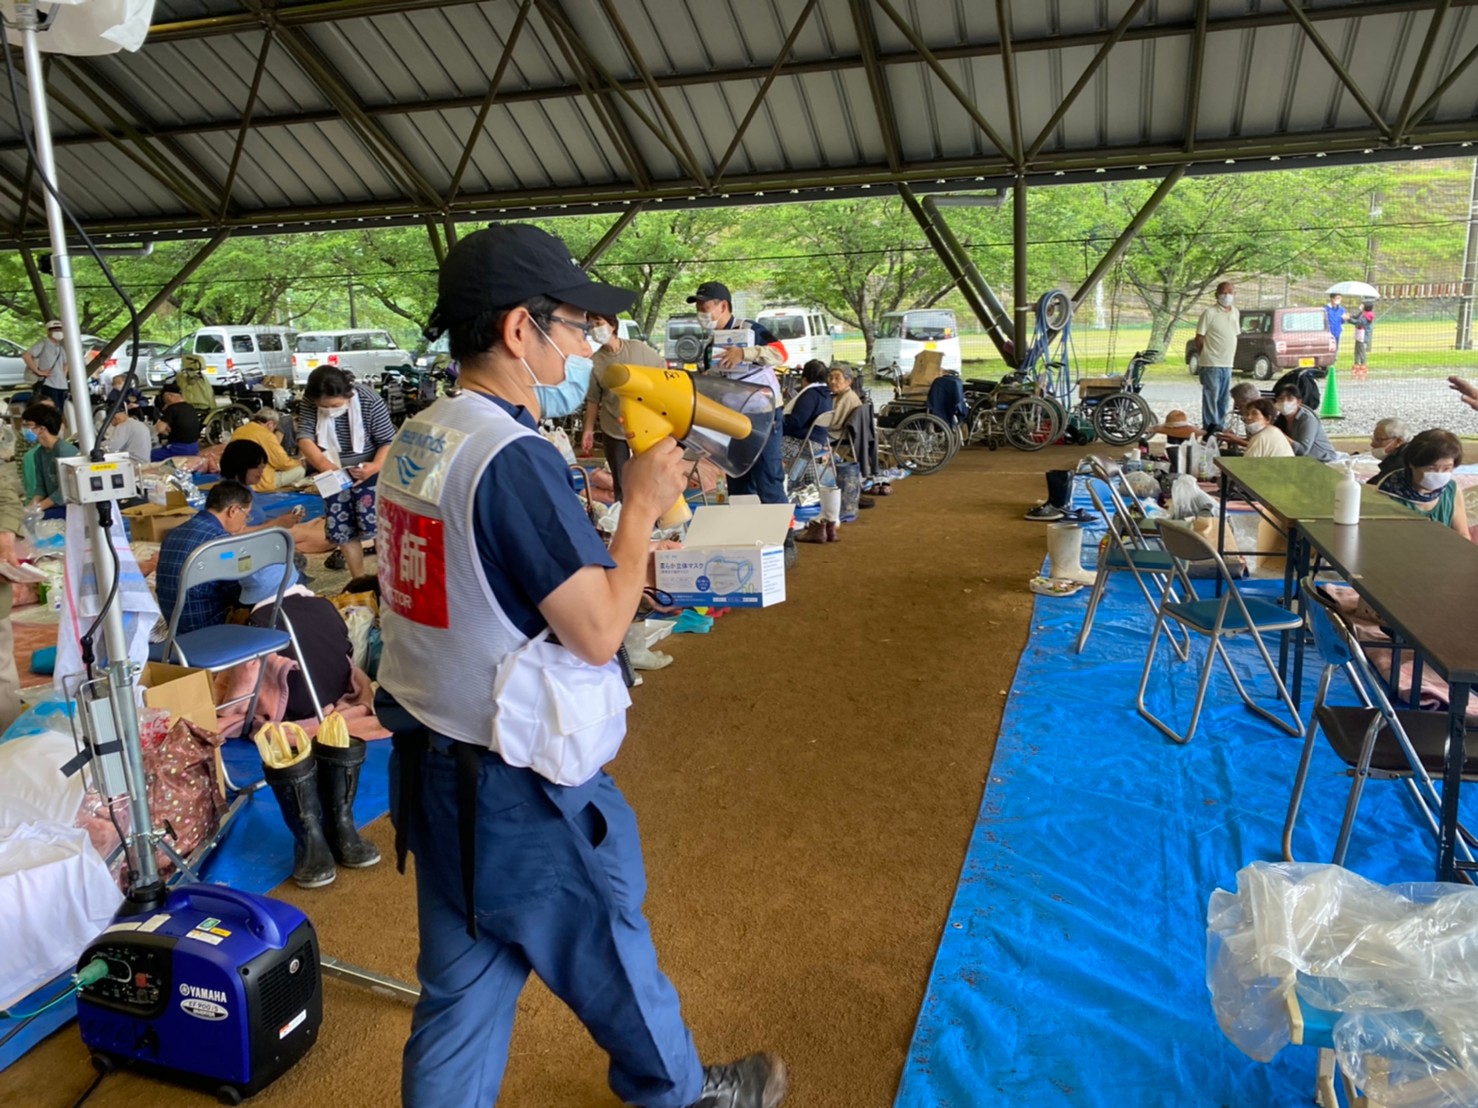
x=255 y=856
x=1072 y=966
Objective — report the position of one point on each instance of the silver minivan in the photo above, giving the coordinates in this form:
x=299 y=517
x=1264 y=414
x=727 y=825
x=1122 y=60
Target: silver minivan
x=232 y=355
x=364 y=353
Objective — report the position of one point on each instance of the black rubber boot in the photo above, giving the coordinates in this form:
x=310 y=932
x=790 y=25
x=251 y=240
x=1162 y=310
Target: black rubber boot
x=338 y=781
x=296 y=788
x=758 y=1081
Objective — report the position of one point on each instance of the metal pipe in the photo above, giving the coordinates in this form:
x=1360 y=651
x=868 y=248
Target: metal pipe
x=1019 y=292
x=1335 y=64
x=1418 y=71
x=1470 y=269
x=992 y=326
x=1008 y=70
x=987 y=295
x=1126 y=236
x=120 y=669
x=612 y=234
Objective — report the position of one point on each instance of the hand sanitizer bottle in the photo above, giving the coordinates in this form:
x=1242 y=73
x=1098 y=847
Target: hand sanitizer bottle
x=1347 y=497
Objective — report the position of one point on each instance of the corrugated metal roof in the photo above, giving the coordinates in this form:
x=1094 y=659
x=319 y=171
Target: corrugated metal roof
x=365 y=107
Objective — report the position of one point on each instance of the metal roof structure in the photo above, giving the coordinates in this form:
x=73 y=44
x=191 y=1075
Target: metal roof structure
x=242 y=115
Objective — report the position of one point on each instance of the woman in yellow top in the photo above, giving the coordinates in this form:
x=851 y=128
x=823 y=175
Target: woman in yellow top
x=265 y=429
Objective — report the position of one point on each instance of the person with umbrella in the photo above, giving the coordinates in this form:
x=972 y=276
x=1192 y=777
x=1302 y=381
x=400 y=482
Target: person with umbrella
x=1335 y=312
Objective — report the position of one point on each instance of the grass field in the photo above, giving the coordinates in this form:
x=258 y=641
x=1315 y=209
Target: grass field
x=1401 y=350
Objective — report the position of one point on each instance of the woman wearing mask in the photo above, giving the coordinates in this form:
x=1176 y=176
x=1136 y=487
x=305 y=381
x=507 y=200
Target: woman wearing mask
x=1263 y=440
x=612 y=349
x=345 y=426
x=1303 y=428
x=1425 y=484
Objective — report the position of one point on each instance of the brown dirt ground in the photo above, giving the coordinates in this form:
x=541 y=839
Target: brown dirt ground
x=806 y=778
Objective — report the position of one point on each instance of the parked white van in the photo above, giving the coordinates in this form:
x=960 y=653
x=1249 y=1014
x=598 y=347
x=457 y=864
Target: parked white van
x=902 y=336
x=802 y=330
x=232 y=355
x=364 y=353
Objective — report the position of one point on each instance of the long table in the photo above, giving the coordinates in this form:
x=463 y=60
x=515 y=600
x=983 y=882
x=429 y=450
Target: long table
x=1423 y=582
x=1294 y=492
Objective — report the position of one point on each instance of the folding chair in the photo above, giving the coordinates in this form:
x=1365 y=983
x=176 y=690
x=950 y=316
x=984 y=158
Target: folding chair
x=216 y=648
x=1128 y=552
x=813 y=460
x=1374 y=739
x=1148 y=525
x=1223 y=617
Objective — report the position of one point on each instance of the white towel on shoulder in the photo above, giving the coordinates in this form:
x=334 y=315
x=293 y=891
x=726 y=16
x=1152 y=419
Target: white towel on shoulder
x=328 y=431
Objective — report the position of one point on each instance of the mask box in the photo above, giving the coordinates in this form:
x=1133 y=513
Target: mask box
x=732 y=557
x=332 y=483
x=736 y=336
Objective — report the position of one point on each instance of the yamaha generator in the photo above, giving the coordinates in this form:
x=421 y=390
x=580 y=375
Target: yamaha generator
x=217 y=989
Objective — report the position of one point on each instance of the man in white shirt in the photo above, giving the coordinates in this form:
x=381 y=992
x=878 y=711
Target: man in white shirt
x=47 y=362
x=128 y=436
x=1216 y=347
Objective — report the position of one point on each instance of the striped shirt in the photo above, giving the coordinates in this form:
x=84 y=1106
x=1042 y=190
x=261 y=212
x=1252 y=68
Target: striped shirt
x=379 y=429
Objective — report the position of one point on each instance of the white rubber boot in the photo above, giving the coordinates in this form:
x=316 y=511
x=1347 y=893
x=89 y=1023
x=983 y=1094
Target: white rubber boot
x=1065 y=552
x=638 y=653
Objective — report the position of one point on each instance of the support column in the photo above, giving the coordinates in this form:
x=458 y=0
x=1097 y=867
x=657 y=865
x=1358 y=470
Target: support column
x=185 y=273
x=1470 y=269
x=1018 y=254
x=998 y=314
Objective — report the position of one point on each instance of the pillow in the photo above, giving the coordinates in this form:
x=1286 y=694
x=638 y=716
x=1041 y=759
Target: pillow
x=32 y=788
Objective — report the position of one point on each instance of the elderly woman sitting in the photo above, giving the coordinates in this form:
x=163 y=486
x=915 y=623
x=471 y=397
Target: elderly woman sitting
x=1425 y=483
x=844 y=399
x=1263 y=439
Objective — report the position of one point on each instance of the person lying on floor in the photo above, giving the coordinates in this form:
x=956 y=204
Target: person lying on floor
x=42 y=424
x=321 y=633
x=1425 y=482
x=1263 y=440
x=227 y=509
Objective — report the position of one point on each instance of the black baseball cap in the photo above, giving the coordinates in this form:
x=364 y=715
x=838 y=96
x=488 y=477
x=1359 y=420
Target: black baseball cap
x=711 y=290
x=506 y=264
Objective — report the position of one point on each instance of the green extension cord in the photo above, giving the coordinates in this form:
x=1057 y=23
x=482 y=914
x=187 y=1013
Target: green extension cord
x=89 y=974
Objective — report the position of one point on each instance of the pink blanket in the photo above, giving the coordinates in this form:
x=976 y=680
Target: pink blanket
x=357 y=707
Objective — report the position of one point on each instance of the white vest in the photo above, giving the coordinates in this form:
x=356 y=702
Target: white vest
x=443 y=630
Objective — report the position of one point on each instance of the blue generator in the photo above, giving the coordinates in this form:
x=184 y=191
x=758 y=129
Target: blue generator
x=217 y=989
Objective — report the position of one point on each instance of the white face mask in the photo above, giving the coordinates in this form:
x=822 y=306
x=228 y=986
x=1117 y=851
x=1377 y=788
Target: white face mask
x=331 y=413
x=1435 y=482
x=54 y=336
x=1225 y=300
x=1380 y=451
x=1288 y=407
x=600 y=334
x=707 y=321
x=1254 y=428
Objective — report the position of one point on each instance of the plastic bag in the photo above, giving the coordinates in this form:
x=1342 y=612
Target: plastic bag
x=1399 y=964
x=358 y=620
x=1188 y=501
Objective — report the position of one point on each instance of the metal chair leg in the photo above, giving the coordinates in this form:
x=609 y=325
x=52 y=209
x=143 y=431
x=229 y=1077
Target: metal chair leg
x=1300 y=779
x=1100 y=579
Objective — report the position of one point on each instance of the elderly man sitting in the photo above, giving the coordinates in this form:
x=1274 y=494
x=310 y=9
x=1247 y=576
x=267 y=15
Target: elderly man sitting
x=1388 y=442
x=227 y=509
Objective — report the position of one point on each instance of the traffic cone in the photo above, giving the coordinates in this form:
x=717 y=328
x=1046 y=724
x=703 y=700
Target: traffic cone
x=1329 y=409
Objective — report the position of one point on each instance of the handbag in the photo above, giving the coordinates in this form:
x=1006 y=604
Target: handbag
x=556 y=715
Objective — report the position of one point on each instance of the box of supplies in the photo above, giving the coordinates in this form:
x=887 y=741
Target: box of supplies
x=275 y=383
x=183 y=692
x=151 y=522
x=332 y=483
x=732 y=557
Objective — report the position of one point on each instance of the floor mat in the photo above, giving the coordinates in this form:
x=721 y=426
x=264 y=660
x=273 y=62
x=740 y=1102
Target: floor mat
x=1072 y=966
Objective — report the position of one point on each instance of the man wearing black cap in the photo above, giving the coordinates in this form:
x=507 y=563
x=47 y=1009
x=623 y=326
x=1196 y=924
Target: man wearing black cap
x=754 y=364
x=501 y=612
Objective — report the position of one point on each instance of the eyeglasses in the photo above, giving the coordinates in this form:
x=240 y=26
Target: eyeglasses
x=583 y=328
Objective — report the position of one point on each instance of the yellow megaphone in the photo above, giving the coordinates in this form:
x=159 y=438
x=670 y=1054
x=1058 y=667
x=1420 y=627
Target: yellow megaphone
x=726 y=420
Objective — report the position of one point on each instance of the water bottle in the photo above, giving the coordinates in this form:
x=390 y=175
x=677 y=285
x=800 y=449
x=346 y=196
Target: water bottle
x=32 y=521
x=1347 y=497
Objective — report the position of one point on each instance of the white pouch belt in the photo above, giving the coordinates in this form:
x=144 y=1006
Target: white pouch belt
x=556 y=715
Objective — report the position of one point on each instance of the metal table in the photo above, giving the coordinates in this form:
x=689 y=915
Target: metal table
x=1293 y=492
x=1423 y=582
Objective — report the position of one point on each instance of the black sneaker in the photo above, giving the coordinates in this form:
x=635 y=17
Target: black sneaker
x=335 y=561
x=758 y=1081
x=1044 y=513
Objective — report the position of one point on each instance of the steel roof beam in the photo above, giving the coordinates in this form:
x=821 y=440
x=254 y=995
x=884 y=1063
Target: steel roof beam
x=614 y=232
x=487 y=101
x=1077 y=90
x=759 y=98
x=292 y=15
x=1008 y=70
x=792 y=69
x=877 y=81
x=147 y=311
x=1127 y=235
x=1419 y=70
x=1338 y=66
x=1349 y=146
x=1198 y=70
x=1430 y=102
x=932 y=60
x=245 y=129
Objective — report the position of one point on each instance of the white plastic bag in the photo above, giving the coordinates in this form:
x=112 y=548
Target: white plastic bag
x=1187 y=501
x=557 y=715
x=358 y=620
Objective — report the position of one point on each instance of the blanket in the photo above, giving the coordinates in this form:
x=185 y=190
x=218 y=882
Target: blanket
x=357 y=707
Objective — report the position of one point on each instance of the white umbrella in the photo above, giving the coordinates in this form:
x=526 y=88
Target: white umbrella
x=1354 y=288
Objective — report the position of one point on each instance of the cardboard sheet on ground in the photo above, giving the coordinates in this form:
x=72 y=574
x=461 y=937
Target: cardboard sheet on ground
x=1073 y=961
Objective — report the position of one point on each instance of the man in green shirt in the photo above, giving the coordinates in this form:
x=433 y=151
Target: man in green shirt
x=42 y=424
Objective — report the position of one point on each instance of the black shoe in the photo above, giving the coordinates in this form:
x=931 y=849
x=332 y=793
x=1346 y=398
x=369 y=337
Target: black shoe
x=758 y=1081
x=335 y=561
x=338 y=782
x=296 y=787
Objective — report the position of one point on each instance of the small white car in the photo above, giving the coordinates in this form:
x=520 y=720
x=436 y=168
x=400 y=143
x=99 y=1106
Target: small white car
x=903 y=336
x=803 y=331
x=363 y=353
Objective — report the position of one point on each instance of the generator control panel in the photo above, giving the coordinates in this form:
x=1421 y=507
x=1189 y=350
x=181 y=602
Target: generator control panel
x=138 y=980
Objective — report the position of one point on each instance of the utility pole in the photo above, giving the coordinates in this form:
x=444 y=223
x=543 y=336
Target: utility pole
x=353 y=315
x=1470 y=269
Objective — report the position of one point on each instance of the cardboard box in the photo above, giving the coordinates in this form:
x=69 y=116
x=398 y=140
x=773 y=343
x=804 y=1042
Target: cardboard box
x=733 y=557
x=275 y=383
x=151 y=522
x=183 y=692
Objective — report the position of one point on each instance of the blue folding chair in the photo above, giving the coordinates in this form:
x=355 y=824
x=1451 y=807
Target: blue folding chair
x=217 y=648
x=1225 y=617
x=1374 y=739
x=1128 y=551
